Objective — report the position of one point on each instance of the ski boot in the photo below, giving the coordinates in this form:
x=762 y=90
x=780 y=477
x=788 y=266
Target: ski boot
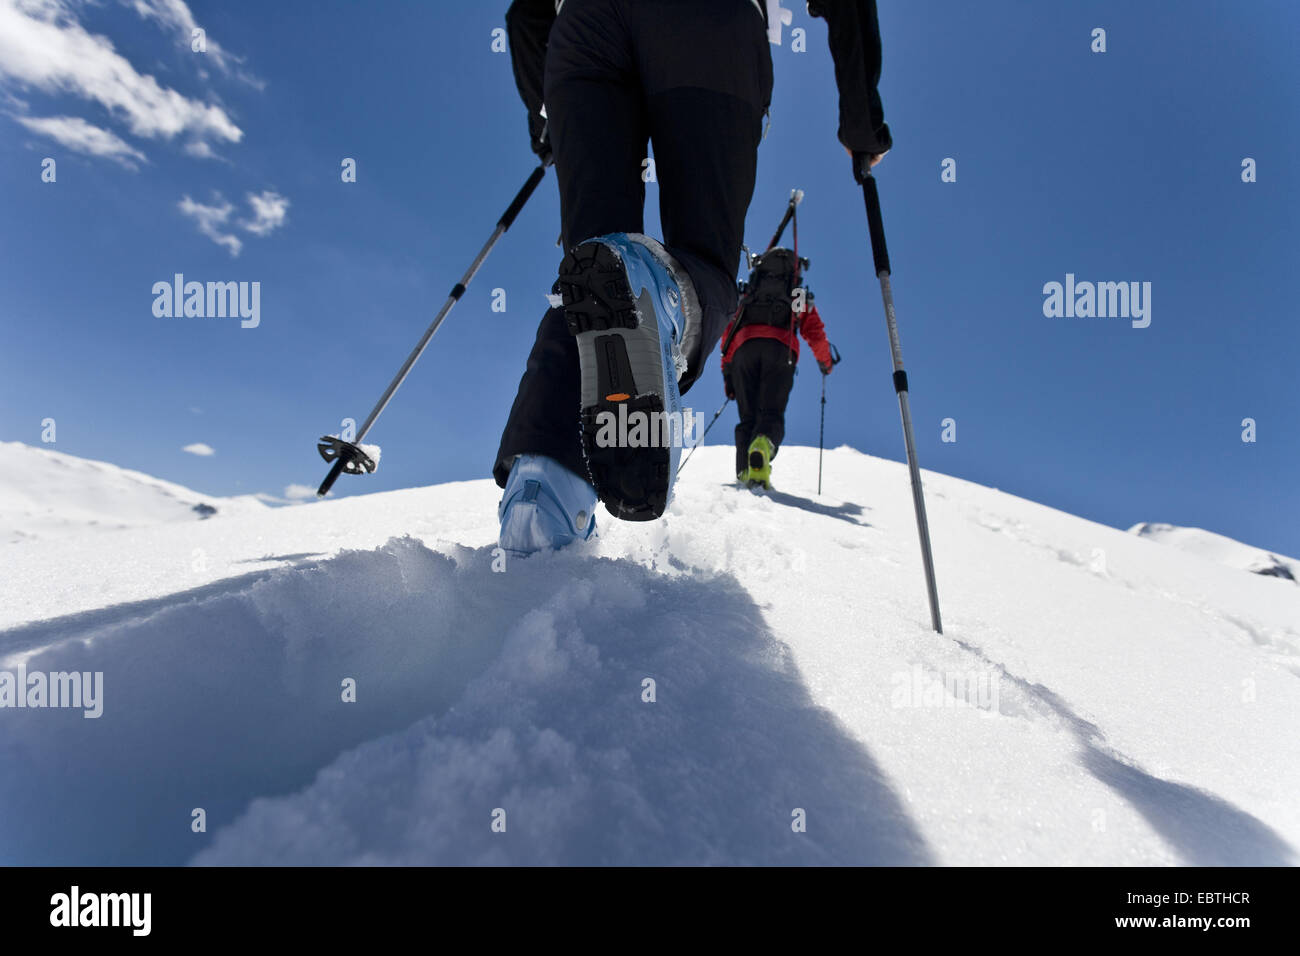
x=545 y=506
x=760 y=463
x=635 y=316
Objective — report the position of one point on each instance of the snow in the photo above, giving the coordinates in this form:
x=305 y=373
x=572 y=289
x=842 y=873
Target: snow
x=46 y=493
x=1221 y=549
x=1097 y=698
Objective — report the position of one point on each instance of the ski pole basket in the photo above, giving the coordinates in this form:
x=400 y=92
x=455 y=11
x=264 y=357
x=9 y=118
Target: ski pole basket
x=354 y=459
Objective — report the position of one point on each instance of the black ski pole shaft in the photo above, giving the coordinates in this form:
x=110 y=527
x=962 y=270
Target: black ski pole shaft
x=458 y=290
x=336 y=469
x=821 y=438
x=880 y=253
x=821 y=435
x=716 y=416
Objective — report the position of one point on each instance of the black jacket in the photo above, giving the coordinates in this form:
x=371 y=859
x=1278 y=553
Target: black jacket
x=854 y=36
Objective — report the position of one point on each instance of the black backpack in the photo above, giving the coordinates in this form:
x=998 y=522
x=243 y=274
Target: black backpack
x=767 y=297
x=768 y=293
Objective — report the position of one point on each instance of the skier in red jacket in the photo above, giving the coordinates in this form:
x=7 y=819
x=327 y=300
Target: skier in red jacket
x=760 y=349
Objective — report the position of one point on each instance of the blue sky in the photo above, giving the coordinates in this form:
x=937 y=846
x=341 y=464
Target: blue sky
x=1115 y=166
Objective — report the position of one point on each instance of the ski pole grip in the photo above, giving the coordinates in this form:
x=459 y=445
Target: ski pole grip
x=332 y=477
x=508 y=217
x=879 y=251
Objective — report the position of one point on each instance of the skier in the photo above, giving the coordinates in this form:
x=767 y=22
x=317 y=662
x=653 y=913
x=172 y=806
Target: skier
x=759 y=353
x=632 y=319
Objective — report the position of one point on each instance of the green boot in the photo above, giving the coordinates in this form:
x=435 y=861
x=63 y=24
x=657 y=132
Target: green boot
x=760 y=462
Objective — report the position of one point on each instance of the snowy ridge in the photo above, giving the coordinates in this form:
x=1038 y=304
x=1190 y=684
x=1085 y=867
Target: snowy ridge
x=46 y=493
x=1220 y=549
x=1096 y=699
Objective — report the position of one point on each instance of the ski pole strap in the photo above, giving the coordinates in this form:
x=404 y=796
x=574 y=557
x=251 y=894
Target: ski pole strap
x=508 y=217
x=879 y=251
x=835 y=354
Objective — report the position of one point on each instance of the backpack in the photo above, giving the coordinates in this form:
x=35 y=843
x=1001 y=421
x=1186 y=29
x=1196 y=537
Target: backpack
x=767 y=297
x=768 y=293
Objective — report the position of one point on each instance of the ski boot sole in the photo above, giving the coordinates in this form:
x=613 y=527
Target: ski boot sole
x=622 y=365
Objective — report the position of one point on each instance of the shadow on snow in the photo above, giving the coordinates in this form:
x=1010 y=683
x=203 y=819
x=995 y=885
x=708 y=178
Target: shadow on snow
x=476 y=690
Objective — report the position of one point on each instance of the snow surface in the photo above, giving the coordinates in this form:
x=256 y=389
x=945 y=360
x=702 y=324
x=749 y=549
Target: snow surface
x=1097 y=698
x=46 y=493
x=1222 y=549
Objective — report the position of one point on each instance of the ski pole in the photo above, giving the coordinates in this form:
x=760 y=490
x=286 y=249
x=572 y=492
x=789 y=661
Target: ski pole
x=821 y=438
x=348 y=455
x=716 y=416
x=880 y=254
x=821 y=435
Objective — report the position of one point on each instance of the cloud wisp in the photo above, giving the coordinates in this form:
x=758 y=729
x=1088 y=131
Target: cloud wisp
x=211 y=220
x=44 y=47
x=268 y=212
x=175 y=17
x=74 y=133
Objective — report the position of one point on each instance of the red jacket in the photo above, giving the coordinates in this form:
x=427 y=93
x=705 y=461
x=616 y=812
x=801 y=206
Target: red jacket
x=809 y=325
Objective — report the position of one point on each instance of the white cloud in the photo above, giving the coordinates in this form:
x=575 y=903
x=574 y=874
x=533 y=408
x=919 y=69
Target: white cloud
x=293 y=495
x=200 y=149
x=175 y=16
x=210 y=219
x=43 y=46
x=78 y=135
x=200 y=449
x=269 y=211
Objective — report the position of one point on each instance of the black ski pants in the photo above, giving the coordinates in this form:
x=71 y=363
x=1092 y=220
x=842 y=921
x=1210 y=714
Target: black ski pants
x=694 y=77
x=761 y=375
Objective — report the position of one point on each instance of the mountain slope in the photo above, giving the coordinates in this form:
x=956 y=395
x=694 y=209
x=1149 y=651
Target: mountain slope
x=1097 y=698
x=1221 y=549
x=46 y=493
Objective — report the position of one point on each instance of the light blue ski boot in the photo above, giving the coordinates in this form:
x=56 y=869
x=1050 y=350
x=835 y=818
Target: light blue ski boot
x=545 y=506
x=635 y=316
